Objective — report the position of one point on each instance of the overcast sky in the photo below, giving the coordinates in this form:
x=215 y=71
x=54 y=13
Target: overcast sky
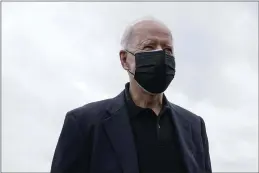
x=59 y=56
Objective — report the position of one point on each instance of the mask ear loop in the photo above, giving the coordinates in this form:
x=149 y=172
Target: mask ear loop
x=133 y=55
x=131 y=72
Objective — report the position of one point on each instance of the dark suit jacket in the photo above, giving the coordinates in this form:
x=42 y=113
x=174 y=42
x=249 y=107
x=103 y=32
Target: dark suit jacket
x=97 y=138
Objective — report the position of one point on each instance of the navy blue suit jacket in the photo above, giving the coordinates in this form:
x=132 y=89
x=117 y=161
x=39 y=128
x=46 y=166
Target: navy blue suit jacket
x=97 y=138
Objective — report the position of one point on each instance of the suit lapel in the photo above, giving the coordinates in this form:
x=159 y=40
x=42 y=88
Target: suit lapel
x=120 y=134
x=183 y=129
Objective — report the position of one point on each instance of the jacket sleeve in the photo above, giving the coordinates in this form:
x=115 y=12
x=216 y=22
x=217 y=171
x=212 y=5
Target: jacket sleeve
x=72 y=150
x=206 y=147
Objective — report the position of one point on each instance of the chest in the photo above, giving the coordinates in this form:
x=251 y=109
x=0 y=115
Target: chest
x=156 y=143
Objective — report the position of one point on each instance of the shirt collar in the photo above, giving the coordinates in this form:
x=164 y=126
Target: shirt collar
x=134 y=109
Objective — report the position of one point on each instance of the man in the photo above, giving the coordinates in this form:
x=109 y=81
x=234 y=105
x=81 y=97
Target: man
x=138 y=131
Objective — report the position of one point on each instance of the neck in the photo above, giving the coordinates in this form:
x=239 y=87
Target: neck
x=143 y=99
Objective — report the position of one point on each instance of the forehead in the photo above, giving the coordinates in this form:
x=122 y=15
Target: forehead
x=152 y=32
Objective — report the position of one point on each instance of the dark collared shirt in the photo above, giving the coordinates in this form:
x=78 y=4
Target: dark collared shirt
x=155 y=138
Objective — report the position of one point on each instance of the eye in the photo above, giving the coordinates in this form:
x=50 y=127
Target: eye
x=148 y=47
x=169 y=51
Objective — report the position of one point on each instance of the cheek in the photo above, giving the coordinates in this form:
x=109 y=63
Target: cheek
x=131 y=63
x=133 y=66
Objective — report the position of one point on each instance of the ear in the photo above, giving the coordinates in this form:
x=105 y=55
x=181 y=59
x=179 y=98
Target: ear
x=123 y=59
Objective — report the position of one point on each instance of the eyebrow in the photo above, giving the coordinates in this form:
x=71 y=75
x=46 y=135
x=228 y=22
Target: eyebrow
x=152 y=42
x=146 y=42
x=168 y=45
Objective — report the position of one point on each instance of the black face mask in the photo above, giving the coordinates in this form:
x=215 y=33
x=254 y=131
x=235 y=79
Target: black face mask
x=154 y=70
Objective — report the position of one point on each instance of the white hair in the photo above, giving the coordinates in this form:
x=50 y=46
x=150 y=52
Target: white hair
x=127 y=36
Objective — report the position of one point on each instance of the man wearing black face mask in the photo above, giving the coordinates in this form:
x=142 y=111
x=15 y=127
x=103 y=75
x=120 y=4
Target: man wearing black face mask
x=154 y=70
x=138 y=131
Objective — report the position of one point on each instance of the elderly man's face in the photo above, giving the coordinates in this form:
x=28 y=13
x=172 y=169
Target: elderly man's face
x=149 y=57
x=147 y=36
